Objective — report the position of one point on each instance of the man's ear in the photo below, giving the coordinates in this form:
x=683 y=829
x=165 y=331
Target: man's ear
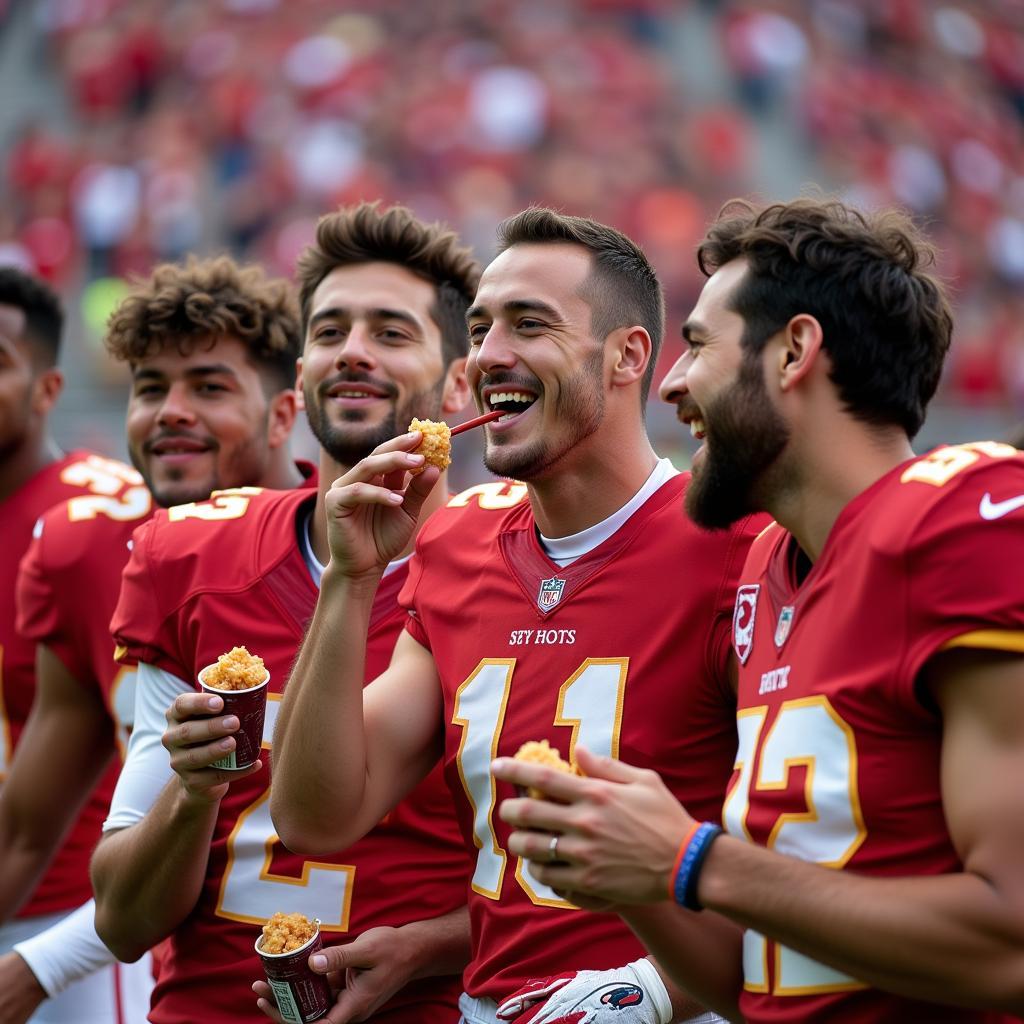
x=284 y=407
x=630 y=349
x=456 y=387
x=300 y=395
x=797 y=350
x=46 y=389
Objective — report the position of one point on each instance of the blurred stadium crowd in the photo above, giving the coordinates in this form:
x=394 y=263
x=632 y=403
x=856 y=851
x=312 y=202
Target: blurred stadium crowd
x=211 y=125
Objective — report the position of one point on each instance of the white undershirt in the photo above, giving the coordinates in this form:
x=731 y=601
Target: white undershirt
x=565 y=550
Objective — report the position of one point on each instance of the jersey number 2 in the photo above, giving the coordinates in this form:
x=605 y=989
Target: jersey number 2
x=252 y=893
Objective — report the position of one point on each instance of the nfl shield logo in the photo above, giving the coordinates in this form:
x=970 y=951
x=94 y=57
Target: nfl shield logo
x=782 y=626
x=550 y=593
x=743 y=620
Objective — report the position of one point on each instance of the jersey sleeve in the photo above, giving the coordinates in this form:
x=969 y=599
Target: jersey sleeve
x=965 y=587
x=42 y=598
x=143 y=629
x=408 y=596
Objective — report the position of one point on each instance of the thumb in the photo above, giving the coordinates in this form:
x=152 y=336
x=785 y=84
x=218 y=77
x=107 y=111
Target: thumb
x=418 y=488
x=358 y=954
x=595 y=766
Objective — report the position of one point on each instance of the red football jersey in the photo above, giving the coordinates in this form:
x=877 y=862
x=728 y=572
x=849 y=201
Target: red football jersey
x=839 y=751
x=98 y=484
x=201 y=579
x=624 y=650
x=67 y=590
x=68 y=586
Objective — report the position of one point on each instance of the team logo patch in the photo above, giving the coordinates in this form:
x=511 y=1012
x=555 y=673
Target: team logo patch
x=743 y=620
x=622 y=996
x=783 y=625
x=550 y=593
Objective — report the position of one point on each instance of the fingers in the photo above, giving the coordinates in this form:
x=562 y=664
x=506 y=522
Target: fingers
x=265 y=1001
x=367 y=951
x=379 y=463
x=595 y=766
x=194 y=705
x=558 y=785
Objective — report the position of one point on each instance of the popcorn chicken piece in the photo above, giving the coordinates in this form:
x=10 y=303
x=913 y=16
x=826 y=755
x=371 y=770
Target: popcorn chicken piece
x=436 y=445
x=284 y=933
x=236 y=670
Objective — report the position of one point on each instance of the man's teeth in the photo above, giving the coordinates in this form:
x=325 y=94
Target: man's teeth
x=352 y=394
x=509 y=396
x=697 y=428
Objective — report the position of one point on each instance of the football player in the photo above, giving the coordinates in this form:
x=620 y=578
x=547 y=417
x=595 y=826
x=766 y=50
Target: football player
x=579 y=607
x=35 y=474
x=189 y=850
x=872 y=866
x=212 y=349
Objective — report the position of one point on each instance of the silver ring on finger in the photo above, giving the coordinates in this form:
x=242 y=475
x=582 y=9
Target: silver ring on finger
x=553 y=848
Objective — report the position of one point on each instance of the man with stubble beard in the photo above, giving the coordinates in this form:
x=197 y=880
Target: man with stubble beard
x=550 y=610
x=189 y=853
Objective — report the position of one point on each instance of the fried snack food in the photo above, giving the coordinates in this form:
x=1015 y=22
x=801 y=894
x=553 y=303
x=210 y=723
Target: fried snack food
x=284 y=933
x=541 y=752
x=236 y=670
x=436 y=445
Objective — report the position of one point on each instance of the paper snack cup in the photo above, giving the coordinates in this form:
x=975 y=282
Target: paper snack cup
x=301 y=994
x=249 y=706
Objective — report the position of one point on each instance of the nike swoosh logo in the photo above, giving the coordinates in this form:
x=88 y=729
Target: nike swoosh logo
x=990 y=509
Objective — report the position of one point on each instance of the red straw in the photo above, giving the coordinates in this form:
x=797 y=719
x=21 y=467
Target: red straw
x=479 y=421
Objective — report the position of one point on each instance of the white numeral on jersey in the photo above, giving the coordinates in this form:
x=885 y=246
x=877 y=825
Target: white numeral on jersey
x=227 y=504
x=941 y=465
x=493 y=495
x=589 y=702
x=133 y=504
x=806 y=732
x=101 y=476
x=250 y=892
x=480 y=711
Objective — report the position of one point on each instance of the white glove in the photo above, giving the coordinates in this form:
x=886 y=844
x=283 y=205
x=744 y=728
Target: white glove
x=634 y=994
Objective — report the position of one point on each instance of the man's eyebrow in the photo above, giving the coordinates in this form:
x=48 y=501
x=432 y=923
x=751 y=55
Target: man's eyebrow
x=518 y=306
x=206 y=370
x=692 y=328
x=381 y=313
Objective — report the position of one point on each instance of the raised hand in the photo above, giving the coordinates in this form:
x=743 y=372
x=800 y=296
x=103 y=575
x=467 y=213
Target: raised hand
x=372 y=510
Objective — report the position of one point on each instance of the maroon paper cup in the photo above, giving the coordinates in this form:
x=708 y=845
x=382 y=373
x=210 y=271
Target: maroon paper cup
x=301 y=995
x=249 y=706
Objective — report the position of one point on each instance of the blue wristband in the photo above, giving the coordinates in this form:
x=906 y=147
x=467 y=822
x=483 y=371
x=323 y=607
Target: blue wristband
x=685 y=885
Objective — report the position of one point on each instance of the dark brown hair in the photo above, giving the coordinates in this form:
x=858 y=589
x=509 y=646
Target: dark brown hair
x=184 y=307
x=622 y=289
x=886 y=321
x=44 y=317
x=368 y=234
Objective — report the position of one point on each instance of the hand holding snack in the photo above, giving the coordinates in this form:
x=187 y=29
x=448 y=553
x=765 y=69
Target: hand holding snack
x=372 y=510
x=364 y=974
x=240 y=679
x=203 y=731
x=285 y=946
